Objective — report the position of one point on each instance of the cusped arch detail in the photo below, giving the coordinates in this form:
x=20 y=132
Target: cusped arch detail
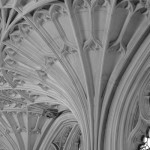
x=129 y=103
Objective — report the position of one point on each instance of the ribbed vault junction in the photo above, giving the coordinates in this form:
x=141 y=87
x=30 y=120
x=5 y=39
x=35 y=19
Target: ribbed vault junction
x=74 y=74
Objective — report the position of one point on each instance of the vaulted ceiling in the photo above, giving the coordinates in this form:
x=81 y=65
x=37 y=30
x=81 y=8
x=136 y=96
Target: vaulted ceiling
x=74 y=74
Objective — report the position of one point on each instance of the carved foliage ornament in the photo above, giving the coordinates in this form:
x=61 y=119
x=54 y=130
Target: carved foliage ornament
x=145 y=141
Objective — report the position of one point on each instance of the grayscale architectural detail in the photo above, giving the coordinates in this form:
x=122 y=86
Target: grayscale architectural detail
x=74 y=74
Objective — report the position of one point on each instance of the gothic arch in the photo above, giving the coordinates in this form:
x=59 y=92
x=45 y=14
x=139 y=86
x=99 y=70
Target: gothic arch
x=128 y=102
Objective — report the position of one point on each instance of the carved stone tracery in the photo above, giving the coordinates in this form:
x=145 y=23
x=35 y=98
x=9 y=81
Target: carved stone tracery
x=61 y=57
